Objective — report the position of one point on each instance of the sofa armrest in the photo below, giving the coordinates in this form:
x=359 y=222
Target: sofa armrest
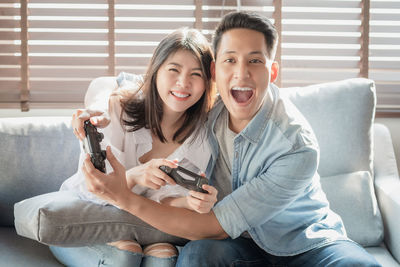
x=387 y=187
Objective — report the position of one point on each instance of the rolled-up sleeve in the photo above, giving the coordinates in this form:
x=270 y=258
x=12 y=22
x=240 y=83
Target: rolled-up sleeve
x=269 y=192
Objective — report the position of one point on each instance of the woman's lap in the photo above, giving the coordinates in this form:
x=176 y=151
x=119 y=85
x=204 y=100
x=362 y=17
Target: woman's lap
x=105 y=255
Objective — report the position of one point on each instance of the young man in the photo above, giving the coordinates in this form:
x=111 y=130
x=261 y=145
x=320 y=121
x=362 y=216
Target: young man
x=272 y=210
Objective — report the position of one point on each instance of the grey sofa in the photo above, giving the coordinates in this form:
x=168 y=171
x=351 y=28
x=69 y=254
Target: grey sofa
x=39 y=153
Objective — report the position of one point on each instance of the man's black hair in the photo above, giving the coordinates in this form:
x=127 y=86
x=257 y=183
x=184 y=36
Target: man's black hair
x=251 y=21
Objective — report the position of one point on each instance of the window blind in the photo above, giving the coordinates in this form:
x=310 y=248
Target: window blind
x=50 y=50
x=384 y=48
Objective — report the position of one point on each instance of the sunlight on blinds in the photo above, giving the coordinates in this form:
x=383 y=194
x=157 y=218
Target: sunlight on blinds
x=64 y=44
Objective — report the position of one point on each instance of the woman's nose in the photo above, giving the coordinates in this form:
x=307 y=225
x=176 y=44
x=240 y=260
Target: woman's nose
x=183 y=81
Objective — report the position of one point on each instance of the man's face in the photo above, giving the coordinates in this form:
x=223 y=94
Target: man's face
x=242 y=73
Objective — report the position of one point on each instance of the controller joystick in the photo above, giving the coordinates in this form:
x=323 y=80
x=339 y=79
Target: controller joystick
x=186 y=178
x=91 y=145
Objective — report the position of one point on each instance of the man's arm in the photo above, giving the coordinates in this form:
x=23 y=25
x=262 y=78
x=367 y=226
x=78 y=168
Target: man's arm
x=180 y=222
x=99 y=91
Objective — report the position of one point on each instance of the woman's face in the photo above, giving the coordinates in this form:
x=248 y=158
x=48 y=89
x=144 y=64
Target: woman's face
x=180 y=82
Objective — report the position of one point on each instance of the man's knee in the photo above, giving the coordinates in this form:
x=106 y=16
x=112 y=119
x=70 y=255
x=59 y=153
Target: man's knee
x=205 y=253
x=340 y=253
x=196 y=249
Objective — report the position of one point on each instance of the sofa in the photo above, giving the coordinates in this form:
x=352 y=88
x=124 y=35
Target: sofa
x=357 y=167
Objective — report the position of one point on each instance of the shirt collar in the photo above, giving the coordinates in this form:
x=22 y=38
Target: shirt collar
x=253 y=131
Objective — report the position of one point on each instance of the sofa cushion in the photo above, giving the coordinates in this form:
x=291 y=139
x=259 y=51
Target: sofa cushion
x=341 y=115
x=63 y=219
x=352 y=196
x=38 y=155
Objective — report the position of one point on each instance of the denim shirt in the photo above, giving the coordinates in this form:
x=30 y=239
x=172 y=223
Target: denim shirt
x=277 y=196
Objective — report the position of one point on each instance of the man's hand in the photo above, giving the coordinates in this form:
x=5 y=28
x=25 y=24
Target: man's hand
x=98 y=118
x=149 y=174
x=196 y=201
x=202 y=202
x=111 y=187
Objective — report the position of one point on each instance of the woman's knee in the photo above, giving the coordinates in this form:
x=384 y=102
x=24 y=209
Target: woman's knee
x=99 y=255
x=161 y=250
x=128 y=245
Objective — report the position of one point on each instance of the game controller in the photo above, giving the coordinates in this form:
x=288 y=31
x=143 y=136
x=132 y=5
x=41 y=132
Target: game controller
x=91 y=145
x=186 y=178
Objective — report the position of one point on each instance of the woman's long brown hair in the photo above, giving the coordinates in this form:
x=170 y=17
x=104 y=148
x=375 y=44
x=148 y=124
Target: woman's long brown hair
x=146 y=109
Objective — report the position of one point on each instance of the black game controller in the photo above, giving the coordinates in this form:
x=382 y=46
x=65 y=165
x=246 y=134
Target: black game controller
x=91 y=145
x=186 y=178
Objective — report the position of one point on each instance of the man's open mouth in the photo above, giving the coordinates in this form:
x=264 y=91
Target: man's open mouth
x=242 y=94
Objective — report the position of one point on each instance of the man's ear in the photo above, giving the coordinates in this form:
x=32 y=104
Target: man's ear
x=212 y=70
x=274 y=71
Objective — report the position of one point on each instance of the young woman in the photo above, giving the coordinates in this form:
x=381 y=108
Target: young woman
x=154 y=122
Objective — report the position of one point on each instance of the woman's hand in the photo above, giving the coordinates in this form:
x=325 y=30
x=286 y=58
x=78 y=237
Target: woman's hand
x=202 y=202
x=111 y=187
x=149 y=174
x=98 y=118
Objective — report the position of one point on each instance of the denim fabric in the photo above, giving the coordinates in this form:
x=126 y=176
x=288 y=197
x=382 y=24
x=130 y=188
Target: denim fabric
x=243 y=252
x=104 y=255
x=277 y=196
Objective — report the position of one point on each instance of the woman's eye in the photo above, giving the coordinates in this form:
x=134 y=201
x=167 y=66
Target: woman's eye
x=229 y=60
x=196 y=74
x=173 y=69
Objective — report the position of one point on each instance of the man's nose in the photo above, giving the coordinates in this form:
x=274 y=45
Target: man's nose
x=242 y=71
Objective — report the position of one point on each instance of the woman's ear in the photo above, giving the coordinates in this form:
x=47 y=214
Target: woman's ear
x=212 y=70
x=274 y=71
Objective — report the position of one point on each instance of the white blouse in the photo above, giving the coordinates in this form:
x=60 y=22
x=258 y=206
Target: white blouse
x=128 y=147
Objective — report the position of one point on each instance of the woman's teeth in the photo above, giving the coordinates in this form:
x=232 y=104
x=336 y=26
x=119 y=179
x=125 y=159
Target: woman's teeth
x=179 y=94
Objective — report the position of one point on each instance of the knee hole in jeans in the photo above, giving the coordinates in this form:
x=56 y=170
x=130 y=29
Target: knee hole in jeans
x=128 y=245
x=160 y=250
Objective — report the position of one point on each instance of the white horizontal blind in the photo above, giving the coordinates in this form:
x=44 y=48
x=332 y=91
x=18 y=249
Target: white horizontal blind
x=64 y=44
x=384 y=52
x=140 y=26
x=70 y=42
x=320 y=41
x=67 y=46
x=326 y=41
x=10 y=53
x=213 y=10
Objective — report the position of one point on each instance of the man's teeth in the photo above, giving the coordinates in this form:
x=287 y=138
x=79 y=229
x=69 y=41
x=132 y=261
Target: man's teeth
x=242 y=88
x=179 y=95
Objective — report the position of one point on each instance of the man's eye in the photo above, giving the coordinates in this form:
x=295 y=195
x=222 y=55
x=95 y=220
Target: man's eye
x=256 y=60
x=229 y=60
